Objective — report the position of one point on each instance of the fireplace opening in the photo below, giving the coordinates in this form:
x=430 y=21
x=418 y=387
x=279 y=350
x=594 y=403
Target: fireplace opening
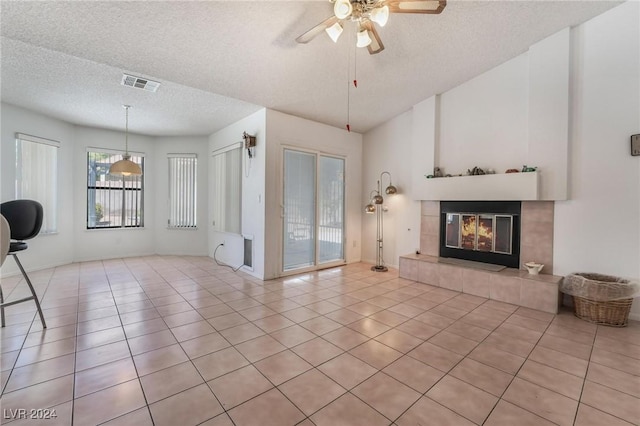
x=482 y=231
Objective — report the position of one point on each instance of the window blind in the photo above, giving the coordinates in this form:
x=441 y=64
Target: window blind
x=182 y=190
x=37 y=176
x=227 y=190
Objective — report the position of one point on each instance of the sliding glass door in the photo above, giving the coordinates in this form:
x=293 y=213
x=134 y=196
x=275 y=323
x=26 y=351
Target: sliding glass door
x=313 y=222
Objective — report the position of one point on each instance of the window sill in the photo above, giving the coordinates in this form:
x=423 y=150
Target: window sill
x=171 y=228
x=115 y=229
x=41 y=234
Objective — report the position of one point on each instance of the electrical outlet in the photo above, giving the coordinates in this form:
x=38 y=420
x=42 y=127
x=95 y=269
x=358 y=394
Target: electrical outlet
x=635 y=145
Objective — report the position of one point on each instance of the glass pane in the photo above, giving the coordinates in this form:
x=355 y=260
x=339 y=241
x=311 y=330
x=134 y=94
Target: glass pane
x=468 y=232
x=299 y=210
x=113 y=201
x=504 y=226
x=485 y=232
x=453 y=230
x=331 y=209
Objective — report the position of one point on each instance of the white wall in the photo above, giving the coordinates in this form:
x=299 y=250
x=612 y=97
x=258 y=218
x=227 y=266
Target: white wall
x=74 y=242
x=515 y=114
x=287 y=130
x=94 y=244
x=386 y=148
x=598 y=229
x=253 y=194
x=44 y=250
x=185 y=241
x=584 y=131
x=483 y=122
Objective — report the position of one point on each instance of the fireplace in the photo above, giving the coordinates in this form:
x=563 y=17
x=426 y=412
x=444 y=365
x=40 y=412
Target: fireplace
x=482 y=231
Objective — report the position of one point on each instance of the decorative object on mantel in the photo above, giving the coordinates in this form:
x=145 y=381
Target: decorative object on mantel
x=533 y=267
x=526 y=169
x=512 y=171
x=476 y=171
x=601 y=299
x=375 y=206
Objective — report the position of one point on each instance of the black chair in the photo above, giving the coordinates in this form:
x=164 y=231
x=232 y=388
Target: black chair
x=25 y=220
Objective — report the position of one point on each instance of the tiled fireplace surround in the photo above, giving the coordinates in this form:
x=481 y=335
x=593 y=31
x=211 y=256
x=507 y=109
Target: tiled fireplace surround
x=510 y=285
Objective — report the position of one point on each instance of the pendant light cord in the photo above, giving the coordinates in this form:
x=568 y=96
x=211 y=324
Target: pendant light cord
x=126 y=130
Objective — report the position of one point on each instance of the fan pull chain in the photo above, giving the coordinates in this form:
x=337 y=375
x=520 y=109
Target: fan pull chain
x=355 y=68
x=355 y=81
x=348 y=91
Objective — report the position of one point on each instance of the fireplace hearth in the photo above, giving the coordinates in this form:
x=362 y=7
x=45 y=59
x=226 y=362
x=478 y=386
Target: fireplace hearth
x=481 y=231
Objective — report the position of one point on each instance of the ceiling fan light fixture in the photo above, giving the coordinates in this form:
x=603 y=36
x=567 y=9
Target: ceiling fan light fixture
x=342 y=9
x=363 y=39
x=380 y=15
x=334 y=31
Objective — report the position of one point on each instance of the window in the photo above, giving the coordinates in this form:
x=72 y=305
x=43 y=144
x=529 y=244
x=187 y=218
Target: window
x=227 y=189
x=37 y=176
x=182 y=190
x=113 y=201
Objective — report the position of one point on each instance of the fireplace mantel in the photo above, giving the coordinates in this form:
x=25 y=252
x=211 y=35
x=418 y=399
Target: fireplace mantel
x=498 y=187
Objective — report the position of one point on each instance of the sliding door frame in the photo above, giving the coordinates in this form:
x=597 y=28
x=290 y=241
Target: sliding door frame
x=316 y=266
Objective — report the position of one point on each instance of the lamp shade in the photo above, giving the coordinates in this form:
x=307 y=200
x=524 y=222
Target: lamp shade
x=391 y=190
x=380 y=15
x=370 y=208
x=342 y=9
x=334 y=31
x=125 y=167
x=377 y=199
x=363 y=39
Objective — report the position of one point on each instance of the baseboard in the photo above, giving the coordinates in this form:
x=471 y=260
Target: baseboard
x=35 y=269
x=90 y=259
x=373 y=262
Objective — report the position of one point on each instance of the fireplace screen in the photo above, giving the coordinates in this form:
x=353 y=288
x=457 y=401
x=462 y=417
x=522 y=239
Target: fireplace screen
x=480 y=232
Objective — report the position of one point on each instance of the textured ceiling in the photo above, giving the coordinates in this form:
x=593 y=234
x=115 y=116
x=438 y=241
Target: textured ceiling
x=221 y=61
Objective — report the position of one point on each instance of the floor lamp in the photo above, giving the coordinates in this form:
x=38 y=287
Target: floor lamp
x=375 y=206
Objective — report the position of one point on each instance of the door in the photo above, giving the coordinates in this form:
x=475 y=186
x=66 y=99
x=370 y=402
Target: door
x=313 y=200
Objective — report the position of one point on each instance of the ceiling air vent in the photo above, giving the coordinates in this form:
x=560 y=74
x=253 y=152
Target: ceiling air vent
x=140 y=83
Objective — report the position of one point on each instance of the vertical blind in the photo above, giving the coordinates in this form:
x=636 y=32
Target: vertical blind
x=182 y=190
x=37 y=176
x=227 y=190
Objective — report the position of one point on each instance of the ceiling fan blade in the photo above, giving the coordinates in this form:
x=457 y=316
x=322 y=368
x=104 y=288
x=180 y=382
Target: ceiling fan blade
x=416 y=6
x=318 y=29
x=376 y=45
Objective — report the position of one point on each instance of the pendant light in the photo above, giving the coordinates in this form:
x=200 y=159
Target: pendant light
x=125 y=167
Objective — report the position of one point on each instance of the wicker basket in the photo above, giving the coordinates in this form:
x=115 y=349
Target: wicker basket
x=614 y=313
x=605 y=303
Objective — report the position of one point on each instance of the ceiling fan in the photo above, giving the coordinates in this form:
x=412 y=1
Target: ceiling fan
x=364 y=13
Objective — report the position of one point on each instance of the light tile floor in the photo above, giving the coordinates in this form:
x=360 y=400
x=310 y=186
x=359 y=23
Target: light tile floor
x=181 y=341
